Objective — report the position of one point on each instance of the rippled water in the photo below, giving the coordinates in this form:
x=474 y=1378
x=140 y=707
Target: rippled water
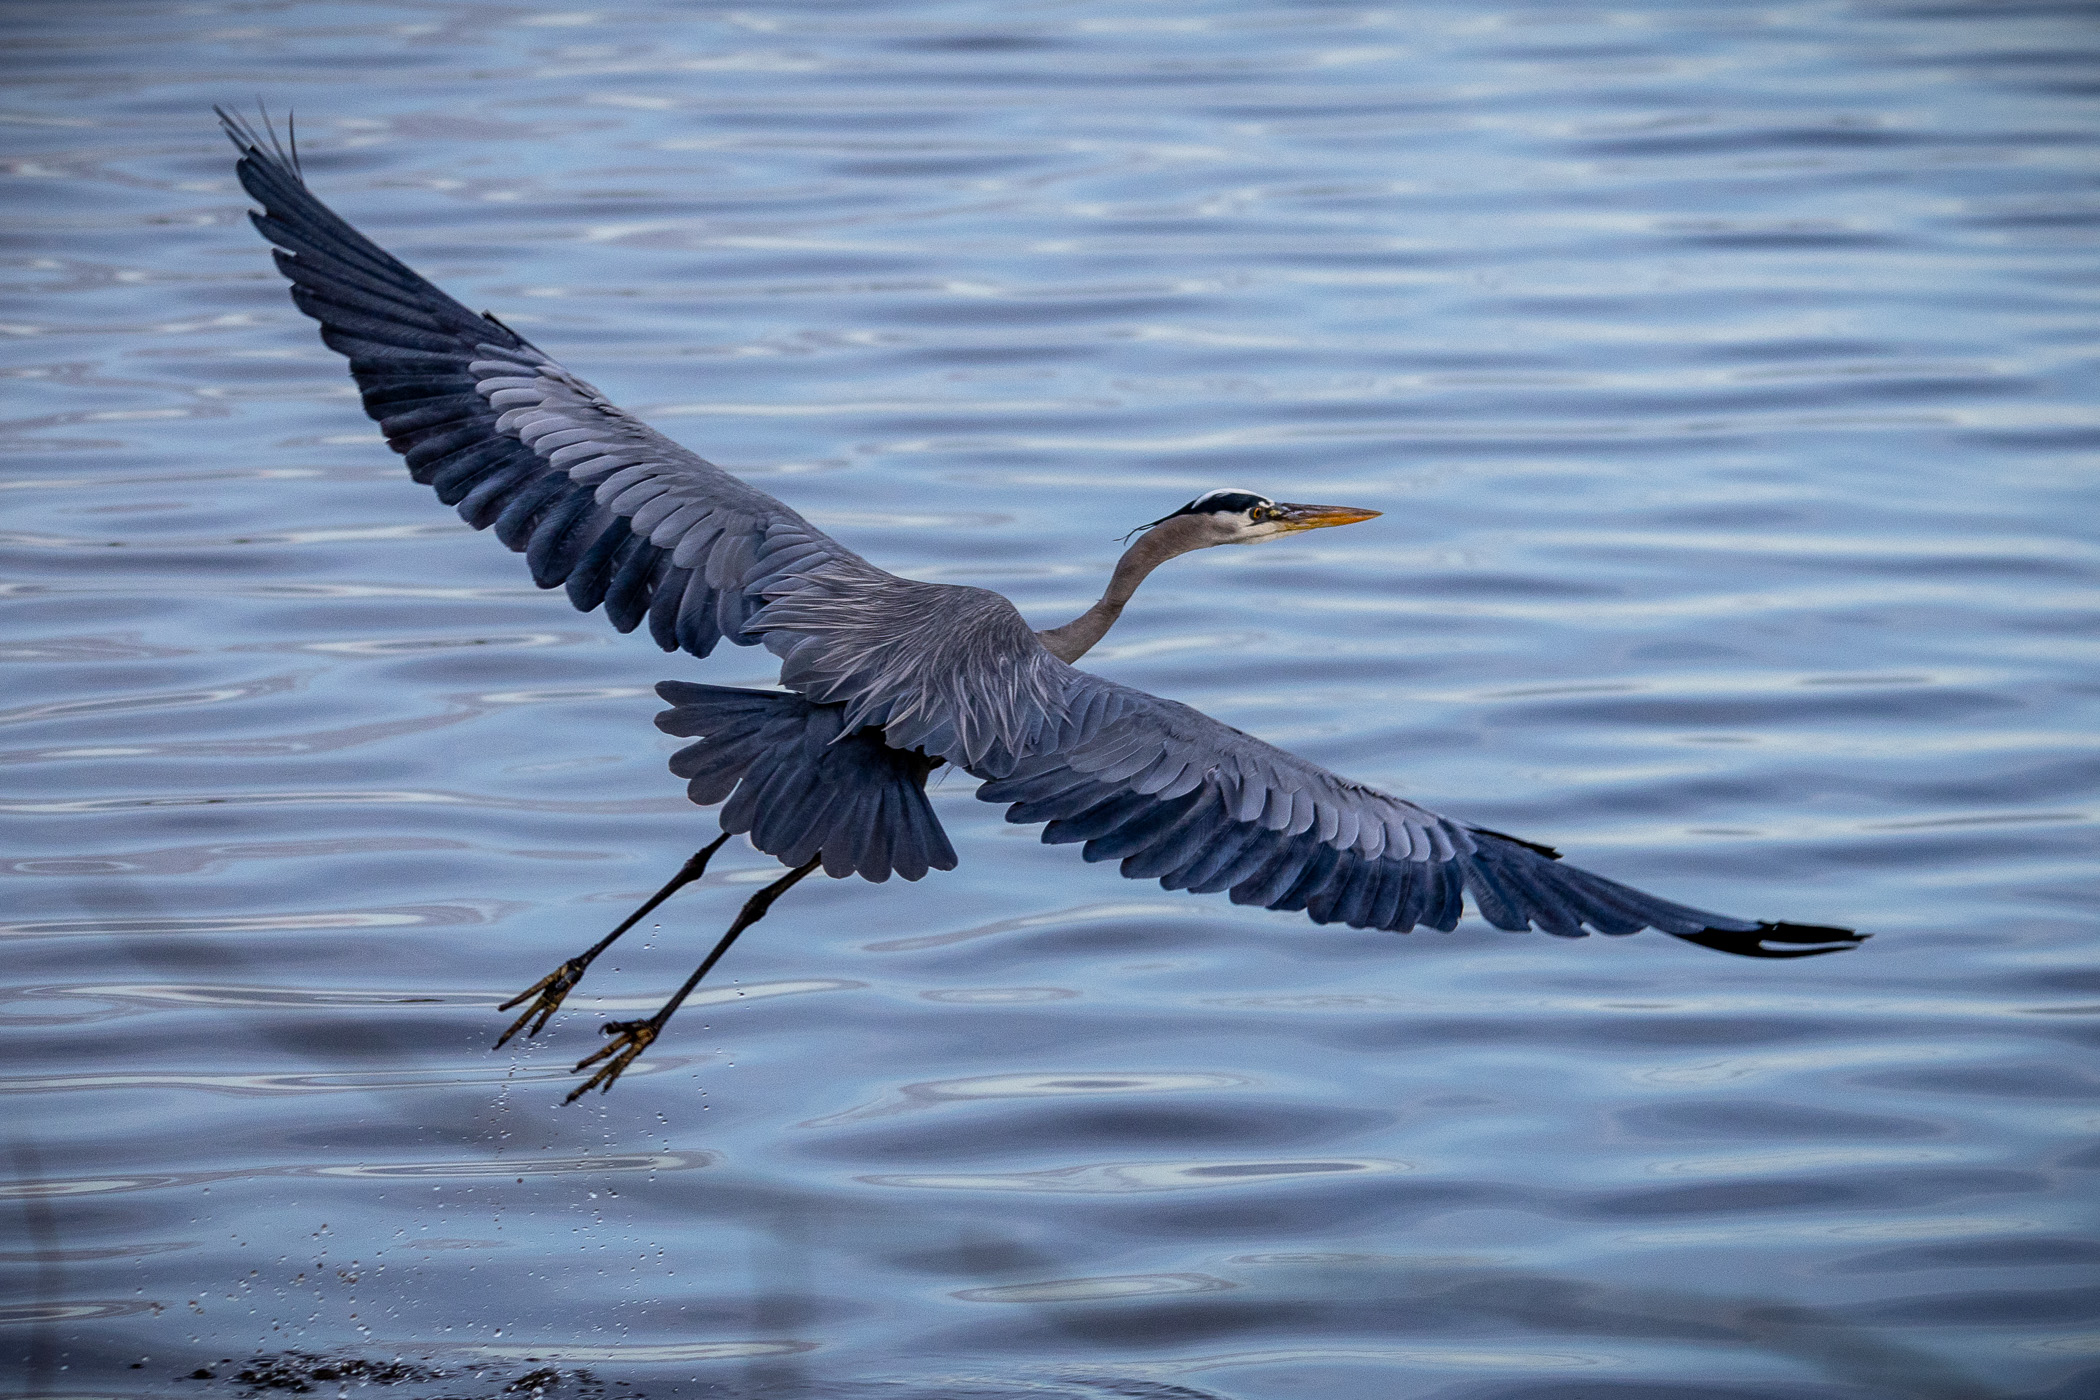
x=1725 y=375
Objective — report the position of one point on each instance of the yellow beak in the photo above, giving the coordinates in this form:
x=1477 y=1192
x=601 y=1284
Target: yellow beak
x=1297 y=517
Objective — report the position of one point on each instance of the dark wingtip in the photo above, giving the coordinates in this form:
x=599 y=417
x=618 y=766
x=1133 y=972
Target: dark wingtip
x=1819 y=938
x=1547 y=851
x=236 y=128
x=249 y=143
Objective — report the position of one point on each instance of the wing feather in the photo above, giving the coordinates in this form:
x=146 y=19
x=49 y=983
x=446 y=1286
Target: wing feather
x=632 y=522
x=520 y=445
x=1197 y=805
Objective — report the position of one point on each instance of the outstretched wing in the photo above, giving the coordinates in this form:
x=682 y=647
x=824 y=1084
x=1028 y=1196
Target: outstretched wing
x=597 y=500
x=594 y=498
x=1178 y=797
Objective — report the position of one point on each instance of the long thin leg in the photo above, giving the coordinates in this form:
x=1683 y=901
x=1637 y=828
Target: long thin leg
x=631 y=1038
x=551 y=989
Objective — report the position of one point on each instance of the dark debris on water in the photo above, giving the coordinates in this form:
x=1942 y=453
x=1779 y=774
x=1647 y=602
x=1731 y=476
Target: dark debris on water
x=302 y=1372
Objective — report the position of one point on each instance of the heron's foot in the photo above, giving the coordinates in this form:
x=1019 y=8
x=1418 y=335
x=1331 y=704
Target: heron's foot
x=629 y=1040
x=548 y=993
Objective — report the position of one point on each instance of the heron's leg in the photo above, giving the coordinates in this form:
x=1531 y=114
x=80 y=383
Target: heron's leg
x=631 y=1038
x=550 y=990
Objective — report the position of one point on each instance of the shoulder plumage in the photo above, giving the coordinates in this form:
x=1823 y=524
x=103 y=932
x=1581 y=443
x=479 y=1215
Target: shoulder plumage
x=947 y=668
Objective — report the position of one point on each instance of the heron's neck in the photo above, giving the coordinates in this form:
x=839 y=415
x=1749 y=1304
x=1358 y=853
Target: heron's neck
x=1077 y=637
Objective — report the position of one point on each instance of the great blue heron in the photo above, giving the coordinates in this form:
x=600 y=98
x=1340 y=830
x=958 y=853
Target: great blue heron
x=887 y=678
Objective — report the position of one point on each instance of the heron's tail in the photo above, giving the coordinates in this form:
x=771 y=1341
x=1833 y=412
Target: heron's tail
x=797 y=788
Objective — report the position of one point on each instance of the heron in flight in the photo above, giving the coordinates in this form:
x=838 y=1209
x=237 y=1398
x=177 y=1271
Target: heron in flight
x=884 y=678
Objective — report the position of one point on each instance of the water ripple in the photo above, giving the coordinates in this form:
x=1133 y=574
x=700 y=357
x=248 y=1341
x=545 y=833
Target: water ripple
x=1723 y=379
x=912 y=1097
x=327 y=920
x=1120 y=1178
x=264 y=1085
x=1096 y=1290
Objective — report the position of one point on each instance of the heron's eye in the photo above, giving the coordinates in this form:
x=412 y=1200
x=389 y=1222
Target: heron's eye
x=1266 y=513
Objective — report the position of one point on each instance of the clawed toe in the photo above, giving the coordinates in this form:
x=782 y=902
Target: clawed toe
x=549 y=992
x=629 y=1040
x=546 y=994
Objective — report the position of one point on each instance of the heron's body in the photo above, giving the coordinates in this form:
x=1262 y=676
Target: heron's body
x=886 y=678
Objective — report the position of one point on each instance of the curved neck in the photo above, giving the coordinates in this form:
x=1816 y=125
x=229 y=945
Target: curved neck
x=1153 y=548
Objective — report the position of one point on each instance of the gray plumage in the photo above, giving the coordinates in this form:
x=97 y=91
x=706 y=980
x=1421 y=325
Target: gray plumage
x=800 y=785
x=888 y=677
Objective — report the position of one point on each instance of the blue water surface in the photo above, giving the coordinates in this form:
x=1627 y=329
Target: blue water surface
x=1725 y=374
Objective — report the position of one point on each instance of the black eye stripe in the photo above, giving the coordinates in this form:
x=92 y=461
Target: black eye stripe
x=1224 y=503
x=1215 y=503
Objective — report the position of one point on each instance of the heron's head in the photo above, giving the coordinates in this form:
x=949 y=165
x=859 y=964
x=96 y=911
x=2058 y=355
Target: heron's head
x=1233 y=516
